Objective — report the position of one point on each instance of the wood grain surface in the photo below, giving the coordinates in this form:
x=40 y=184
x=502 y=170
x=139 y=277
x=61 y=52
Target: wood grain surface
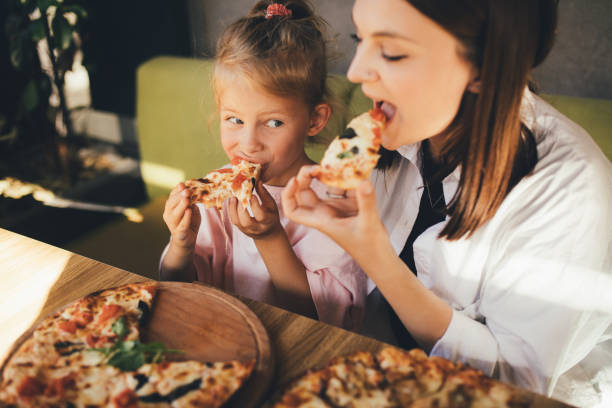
x=36 y=278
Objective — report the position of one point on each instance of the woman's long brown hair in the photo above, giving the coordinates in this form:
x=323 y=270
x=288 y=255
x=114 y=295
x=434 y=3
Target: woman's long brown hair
x=504 y=40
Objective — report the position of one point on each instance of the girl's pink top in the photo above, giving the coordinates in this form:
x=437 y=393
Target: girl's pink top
x=228 y=259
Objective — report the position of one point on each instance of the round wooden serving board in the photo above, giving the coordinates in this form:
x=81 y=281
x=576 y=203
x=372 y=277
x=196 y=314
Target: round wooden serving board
x=208 y=325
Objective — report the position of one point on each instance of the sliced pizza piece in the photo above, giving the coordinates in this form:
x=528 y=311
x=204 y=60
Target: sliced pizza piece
x=55 y=386
x=350 y=158
x=66 y=337
x=219 y=185
x=181 y=384
x=92 y=321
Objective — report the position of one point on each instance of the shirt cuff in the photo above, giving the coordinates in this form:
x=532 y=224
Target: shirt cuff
x=469 y=341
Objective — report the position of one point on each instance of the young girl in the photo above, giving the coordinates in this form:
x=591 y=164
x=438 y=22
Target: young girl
x=499 y=208
x=270 y=84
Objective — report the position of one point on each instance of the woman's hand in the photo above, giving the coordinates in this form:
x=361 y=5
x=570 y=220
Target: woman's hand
x=265 y=220
x=352 y=222
x=182 y=220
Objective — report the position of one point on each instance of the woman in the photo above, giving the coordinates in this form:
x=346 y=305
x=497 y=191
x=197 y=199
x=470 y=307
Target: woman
x=499 y=208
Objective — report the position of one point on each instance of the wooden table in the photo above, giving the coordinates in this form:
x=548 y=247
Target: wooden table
x=36 y=279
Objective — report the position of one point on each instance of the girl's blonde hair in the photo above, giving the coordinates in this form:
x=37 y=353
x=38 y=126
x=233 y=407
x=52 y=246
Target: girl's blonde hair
x=284 y=55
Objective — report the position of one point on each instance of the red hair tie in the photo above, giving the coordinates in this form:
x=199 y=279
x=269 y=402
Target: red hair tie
x=277 y=9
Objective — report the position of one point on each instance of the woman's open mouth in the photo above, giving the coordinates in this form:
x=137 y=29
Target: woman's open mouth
x=387 y=108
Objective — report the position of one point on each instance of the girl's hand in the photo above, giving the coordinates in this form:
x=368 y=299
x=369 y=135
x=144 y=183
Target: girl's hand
x=353 y=222
x=265 y=220
x=182 y=220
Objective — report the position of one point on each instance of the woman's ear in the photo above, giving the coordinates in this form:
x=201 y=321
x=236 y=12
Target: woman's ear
x=319 y=118
x=475 y=84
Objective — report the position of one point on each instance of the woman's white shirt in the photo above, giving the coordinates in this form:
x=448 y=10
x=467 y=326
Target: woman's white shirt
x=531 y=290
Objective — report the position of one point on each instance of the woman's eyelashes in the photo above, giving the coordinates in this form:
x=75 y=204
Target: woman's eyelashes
x=393 y=58
x=390 y=58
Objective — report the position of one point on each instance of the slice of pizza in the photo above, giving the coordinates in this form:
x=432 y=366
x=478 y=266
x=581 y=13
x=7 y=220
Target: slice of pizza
x=58 y=386
x=350 y=158
x=98 y=320
x=181 y=384
x=219 y=185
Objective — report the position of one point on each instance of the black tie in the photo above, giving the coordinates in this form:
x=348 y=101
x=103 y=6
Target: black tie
x=431 y=211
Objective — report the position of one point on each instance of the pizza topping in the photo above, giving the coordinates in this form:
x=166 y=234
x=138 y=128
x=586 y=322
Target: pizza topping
x=142 y=380
x=177 y=393
x=108 y=312
x=348 y=153
x=56 y=387
x=349 y=133
x=127 y=399
x=82 y=318
x=237 y=182
x=29 y=387
x=145 y=312
x=67 y=326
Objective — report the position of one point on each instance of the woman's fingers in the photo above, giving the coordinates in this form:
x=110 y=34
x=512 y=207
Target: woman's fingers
x=288 y=198
x=305 y=176
x=366 y=199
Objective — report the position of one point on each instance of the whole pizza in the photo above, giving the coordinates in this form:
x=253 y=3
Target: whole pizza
x=90 y=355
x=398 y=378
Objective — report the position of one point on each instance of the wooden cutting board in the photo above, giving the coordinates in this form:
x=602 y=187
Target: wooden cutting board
x=208 y=325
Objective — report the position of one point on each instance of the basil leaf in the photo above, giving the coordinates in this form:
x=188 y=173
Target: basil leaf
x=130 y=360
x=120 y=327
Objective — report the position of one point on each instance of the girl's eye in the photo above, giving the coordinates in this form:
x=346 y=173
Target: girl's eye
x=355 y=38
x=234 y=120
x=273 y=123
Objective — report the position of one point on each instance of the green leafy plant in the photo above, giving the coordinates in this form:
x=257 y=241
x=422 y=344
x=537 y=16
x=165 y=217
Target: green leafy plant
x=27 y=25
x=132 y=354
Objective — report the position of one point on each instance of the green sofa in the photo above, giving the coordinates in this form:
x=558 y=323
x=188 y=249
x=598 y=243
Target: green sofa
x=179 y=138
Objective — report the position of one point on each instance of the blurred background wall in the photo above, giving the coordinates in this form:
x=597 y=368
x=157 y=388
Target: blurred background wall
x=580 y=63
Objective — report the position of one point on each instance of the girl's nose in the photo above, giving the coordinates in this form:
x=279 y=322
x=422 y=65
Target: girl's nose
x=249 y=140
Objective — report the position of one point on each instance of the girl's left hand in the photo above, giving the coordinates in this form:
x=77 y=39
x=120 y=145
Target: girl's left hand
x=265 y=220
